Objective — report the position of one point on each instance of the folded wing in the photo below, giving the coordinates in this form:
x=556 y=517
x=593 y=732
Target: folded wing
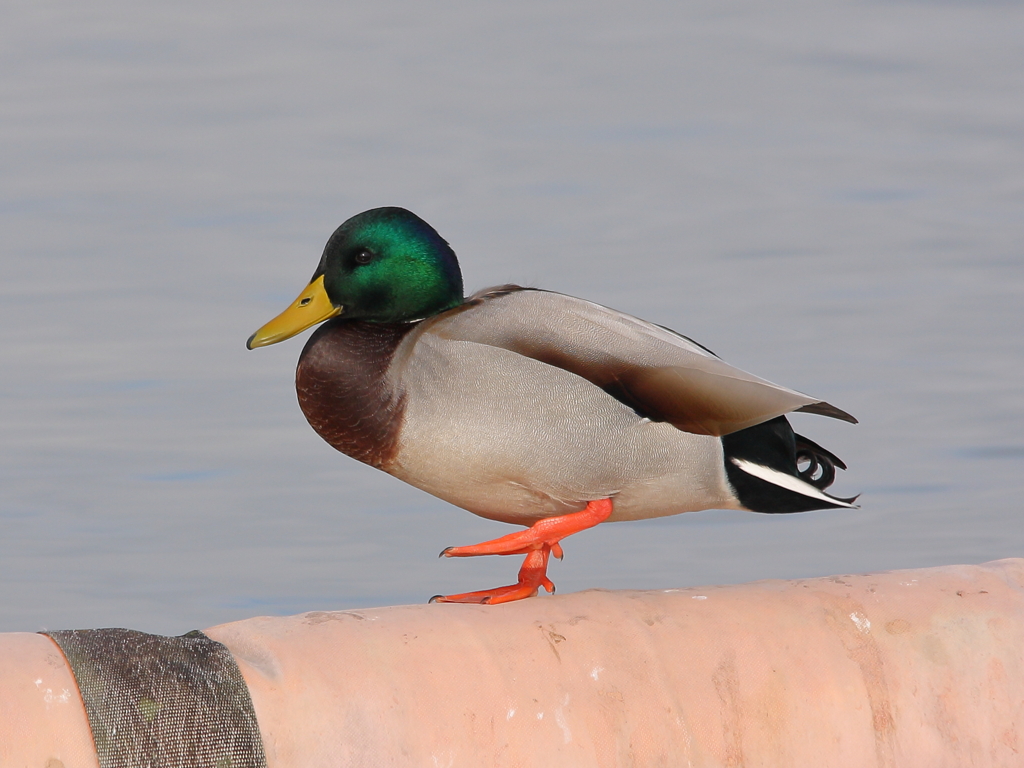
x=661 y=374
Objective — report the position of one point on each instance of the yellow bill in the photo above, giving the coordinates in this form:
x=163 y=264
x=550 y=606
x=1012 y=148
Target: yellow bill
x=310 y=308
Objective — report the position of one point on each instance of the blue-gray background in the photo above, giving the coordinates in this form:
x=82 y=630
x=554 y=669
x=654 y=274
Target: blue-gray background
x=827 y=195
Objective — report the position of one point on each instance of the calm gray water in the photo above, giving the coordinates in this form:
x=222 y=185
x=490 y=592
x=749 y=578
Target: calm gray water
x=827 y=195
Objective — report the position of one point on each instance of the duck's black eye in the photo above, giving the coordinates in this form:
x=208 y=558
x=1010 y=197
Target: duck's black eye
x=364 y=257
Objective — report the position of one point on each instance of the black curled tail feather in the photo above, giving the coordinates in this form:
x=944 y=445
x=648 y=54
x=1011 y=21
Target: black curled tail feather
x=820 y=469
x=774 y=446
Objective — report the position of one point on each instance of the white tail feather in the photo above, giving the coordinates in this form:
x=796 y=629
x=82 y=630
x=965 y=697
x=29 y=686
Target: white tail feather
x=788 y=482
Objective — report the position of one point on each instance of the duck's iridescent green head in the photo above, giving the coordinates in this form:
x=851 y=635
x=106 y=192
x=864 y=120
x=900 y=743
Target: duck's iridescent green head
x=384 y=265
x=389 y=265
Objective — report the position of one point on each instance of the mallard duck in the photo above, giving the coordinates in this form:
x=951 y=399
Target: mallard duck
x=532 y=407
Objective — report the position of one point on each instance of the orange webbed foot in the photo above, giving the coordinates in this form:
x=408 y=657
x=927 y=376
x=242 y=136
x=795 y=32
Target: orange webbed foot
x=532 y=576
x=537 y=542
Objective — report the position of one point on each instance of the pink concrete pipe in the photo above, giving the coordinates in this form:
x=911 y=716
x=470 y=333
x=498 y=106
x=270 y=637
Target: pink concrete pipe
x=908 y=668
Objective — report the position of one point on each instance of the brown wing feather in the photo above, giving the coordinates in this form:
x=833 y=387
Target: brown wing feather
x=661 y=374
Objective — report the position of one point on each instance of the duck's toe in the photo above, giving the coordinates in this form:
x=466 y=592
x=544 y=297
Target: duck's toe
x=532 y=576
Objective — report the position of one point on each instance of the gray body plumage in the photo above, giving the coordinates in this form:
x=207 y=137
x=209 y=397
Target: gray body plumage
x=502 y=415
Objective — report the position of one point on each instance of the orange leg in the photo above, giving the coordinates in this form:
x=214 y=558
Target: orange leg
x=537 y=543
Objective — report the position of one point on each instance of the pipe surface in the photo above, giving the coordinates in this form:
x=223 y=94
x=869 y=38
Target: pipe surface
x=907 y=668
x=42 y=718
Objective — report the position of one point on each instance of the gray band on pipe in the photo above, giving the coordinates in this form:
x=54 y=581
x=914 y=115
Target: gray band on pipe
x=165 y=702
